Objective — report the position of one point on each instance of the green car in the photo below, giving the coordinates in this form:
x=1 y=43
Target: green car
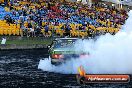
x=62 y=50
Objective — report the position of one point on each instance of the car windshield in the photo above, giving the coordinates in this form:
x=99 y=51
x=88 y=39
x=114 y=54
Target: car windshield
x=64 y=43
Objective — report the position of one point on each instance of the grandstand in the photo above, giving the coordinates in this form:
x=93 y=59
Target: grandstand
x=49 y=18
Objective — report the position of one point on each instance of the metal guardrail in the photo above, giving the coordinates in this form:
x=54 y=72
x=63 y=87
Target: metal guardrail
x=123 y=2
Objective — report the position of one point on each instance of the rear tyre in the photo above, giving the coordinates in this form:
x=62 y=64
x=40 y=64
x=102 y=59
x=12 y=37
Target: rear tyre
x=55 y=63
x=80 y=80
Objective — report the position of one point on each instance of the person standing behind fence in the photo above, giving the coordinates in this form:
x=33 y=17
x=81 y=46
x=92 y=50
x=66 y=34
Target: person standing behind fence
x=30 y=29
x=46 y=30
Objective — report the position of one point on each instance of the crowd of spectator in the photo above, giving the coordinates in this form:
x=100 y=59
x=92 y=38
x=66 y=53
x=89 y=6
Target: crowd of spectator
x=58 y=17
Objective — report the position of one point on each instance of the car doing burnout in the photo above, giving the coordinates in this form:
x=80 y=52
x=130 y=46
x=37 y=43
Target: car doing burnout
x=62 y=49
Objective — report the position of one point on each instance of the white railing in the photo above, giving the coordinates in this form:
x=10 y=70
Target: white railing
x=124 y=2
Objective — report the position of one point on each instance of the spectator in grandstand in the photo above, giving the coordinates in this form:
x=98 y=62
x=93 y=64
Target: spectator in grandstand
x=38 y=31
x=8 y=19
x=46 y=30
x=6 y=2
x=67 y=29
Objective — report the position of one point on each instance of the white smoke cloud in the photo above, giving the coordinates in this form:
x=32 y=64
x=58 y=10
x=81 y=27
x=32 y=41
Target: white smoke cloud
x=108 y=55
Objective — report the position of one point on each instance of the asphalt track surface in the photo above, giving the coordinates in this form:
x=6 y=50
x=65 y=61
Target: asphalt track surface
x=19 y=69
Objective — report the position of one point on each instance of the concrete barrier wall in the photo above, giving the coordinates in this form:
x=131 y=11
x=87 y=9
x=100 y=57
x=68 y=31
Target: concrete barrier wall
x=28 y=46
